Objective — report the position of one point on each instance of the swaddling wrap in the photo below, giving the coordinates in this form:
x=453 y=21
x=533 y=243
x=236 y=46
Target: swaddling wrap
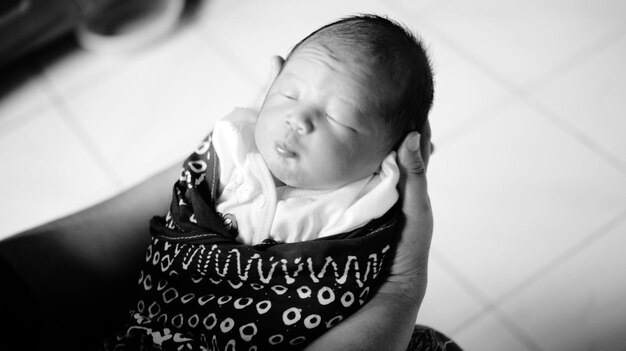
x=201 y=289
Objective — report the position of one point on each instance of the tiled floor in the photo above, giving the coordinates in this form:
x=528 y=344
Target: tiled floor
x=528 y=183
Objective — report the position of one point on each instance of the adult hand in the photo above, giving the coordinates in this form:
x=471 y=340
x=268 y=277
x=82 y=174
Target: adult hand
x=276 y=65
x=386 y=322
x=410 y=266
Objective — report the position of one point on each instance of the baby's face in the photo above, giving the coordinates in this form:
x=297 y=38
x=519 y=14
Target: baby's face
x=317 y=128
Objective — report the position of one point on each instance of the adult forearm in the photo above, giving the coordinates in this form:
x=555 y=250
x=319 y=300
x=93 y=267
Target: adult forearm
x=81 y=270
x=386 y=322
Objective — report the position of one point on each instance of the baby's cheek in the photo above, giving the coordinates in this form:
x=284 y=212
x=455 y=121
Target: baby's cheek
x=328 y=173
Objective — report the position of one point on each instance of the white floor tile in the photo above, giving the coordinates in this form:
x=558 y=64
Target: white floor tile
x=70 y=67
x=446 y=303
x=520 y=41
x=258 y=30
x=579 y=305
x=488 y=334
x=463 y=95
x=513 y=194
x=419 y=7
x=46 y=174
x=591 y=97
x=158 y=110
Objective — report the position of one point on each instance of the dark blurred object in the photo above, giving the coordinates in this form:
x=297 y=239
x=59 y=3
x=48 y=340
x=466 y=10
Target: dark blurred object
x=27 y=25
x=108 y=25
x=123 y=25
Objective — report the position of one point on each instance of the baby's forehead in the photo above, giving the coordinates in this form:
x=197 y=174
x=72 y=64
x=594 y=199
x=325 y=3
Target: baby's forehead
x=377 y=81
x=339 y=48
x=364 y=64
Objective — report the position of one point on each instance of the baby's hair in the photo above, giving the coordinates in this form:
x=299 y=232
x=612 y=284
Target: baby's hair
x=391 y=49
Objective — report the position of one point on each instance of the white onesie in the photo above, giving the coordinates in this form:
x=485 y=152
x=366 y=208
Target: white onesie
x=285 y=214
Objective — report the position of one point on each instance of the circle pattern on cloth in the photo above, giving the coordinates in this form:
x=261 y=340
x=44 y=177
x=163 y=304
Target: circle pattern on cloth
x=193 y=321
x=312 y=321
x=304 y=292
x=276 y=339
x=279 y=289
x=210 y=321
x=224 y=299
x=347 y=299
x=297 y=341
x=243 y=302
x=263 y=306
x=226 y=325
x=334 y=321
x=202 y=300
x=248 y=331
x=325 y=296
x=292 y=315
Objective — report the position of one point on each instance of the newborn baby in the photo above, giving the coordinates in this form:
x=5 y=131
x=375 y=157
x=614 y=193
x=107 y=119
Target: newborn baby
x=283 y=219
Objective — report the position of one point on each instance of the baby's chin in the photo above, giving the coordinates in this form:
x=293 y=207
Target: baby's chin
x=309 y=184
x=288 y=176
x=278 y=182
x=290 y=182
x=286 y=181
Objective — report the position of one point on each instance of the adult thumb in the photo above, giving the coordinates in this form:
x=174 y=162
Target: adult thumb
x=410 y=157
x=276 y=64
x=413 y=186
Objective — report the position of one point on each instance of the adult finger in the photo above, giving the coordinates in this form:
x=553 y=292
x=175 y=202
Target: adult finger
x=275 y=66
x=413 y=189
x=411 y=160
x=426 y=147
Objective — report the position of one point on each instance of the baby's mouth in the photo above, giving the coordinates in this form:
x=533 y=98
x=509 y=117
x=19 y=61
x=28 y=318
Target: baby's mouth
x=284 y=150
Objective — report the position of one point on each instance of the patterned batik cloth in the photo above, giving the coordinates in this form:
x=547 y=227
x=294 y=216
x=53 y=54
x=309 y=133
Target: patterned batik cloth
x=200 y=289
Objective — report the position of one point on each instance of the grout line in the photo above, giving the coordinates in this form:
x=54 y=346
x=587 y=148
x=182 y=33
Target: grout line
x=577 y=133
x=569 y=63
x=525 y=91
x=488 y=307
x=10 y=122
x=91 y=80
x=540 y=273
x=518 y=332
x=119 y=64
x=24 y=117
x=83 y=137
x=562 y=258
x=466 y=284
x=473 y=123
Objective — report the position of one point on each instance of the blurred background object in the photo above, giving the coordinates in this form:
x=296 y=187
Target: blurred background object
x=101 y=25
x=128 y=25
x=27 y=25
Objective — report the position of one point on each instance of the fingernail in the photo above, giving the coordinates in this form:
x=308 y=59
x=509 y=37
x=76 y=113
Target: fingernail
x=414 y=141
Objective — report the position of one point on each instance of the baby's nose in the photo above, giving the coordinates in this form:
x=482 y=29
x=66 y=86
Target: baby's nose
x=301 y=122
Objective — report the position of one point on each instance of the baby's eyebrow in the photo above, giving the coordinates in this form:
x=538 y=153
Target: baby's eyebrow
x=292 y=75
x=346 y=104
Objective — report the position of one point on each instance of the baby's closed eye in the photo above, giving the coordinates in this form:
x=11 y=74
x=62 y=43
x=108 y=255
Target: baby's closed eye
x=339 y=122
